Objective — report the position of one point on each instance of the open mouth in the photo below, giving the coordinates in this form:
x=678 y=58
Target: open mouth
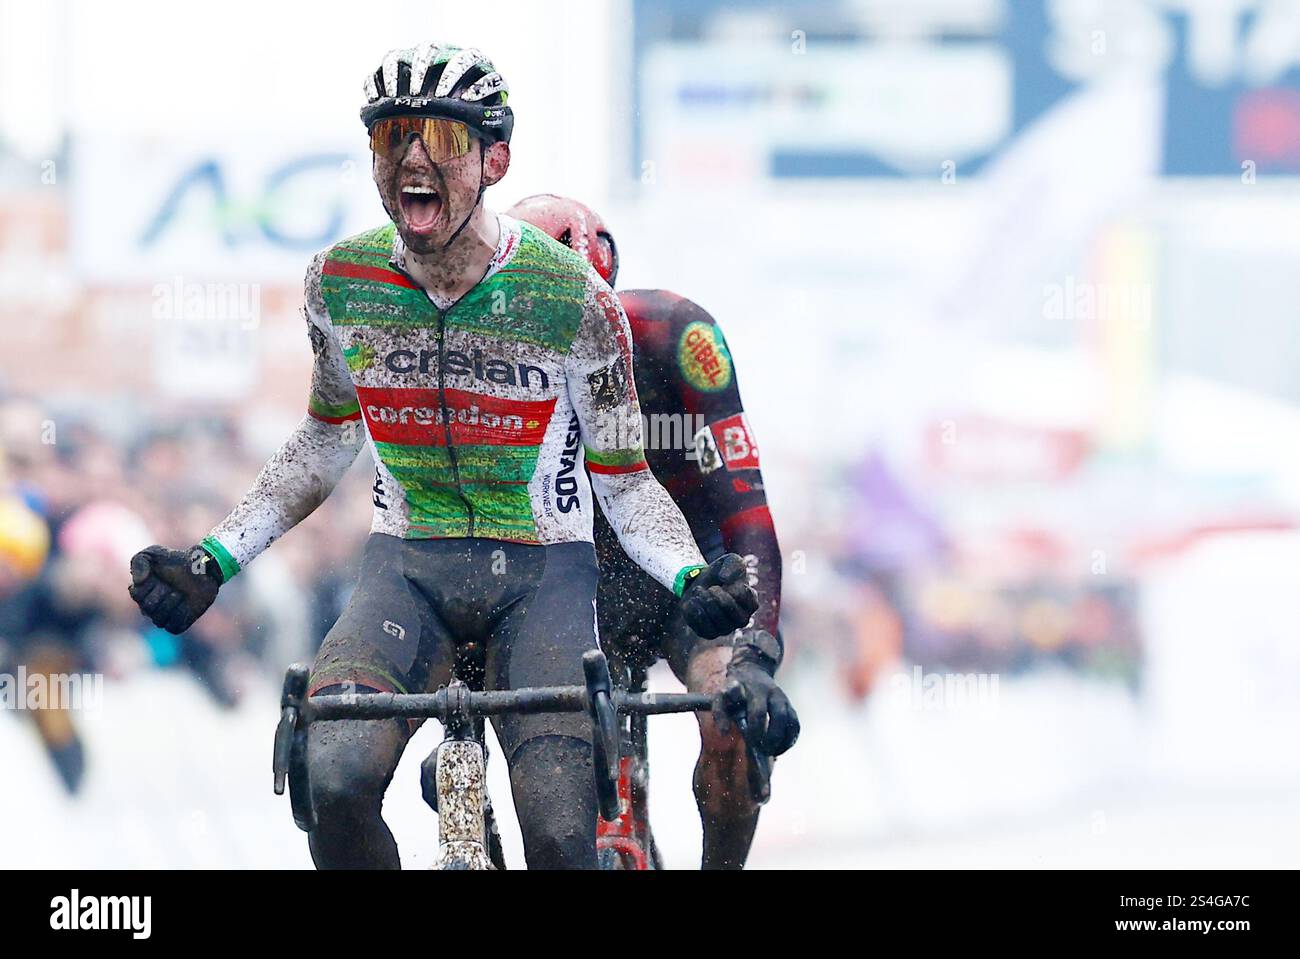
x=421 y=207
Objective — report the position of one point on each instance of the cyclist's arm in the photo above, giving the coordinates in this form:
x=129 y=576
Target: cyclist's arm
x=649 y=526
x=307 y=467
x=701 y=372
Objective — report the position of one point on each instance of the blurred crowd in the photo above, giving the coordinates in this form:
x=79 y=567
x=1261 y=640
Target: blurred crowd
x=883 y=581
x=82 y=488
x=875 y=587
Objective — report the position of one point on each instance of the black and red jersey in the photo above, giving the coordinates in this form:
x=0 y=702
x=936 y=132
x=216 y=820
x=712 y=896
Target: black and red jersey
x=699 y=445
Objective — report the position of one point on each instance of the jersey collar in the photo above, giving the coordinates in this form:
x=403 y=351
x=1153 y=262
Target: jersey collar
x=507 y=246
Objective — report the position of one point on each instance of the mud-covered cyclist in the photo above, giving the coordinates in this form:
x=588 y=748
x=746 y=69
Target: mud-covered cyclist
x=486 y=363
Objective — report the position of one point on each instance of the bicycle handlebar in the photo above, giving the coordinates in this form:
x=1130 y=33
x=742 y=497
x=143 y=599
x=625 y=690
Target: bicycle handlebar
x=443 y=702
x=598 y=698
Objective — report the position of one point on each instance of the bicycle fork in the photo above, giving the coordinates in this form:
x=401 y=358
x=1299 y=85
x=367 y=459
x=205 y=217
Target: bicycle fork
x=461 y=775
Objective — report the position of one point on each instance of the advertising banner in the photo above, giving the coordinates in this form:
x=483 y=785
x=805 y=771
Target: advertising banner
x=150 y=211
x=818 y=91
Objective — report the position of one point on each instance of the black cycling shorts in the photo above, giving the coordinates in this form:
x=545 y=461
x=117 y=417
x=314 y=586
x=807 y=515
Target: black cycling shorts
x=531 y=607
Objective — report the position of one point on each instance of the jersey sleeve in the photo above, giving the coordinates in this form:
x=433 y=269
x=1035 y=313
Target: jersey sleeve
x=649 y=525
x=693 y=357
x=333 y=396
x=309 y=464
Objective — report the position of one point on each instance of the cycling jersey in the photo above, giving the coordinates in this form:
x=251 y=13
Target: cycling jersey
x=700 y=445
x=480 y=413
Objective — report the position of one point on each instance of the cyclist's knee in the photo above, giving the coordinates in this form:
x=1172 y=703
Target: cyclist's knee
x=555 y=801
x=719 y=748
x=349 y=769
x=707 y=673
x=550 y=848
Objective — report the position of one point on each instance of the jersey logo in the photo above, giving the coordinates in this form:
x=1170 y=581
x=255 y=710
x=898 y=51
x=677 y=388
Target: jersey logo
x=318 y=341
x=728 y=443
x=566 y=479
x=706 y=451
x=475 y=364
x=739 y=451
x=358 y=357
x=417 y=417
x=703 y=357
x=608 y=386
x=614 y=316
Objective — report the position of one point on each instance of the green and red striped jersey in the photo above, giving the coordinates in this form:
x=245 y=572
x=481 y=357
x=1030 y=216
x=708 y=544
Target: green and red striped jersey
x=481 y=413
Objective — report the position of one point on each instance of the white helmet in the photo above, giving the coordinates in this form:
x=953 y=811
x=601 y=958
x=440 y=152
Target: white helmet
x=440 y=80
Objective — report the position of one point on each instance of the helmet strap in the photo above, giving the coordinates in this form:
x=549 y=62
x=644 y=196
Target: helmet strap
x=477 y=200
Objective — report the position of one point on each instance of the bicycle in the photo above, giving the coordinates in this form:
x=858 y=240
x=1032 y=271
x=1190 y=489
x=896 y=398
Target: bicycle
x=453 y=776
x=626 y=842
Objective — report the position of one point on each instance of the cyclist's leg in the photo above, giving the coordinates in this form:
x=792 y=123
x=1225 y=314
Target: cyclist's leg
x=728 y=814
x=350 y=764
x=387 y=640
x=538 y=639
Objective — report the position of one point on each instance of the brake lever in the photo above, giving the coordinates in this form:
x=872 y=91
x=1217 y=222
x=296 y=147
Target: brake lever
x=759 y=767
x=604 y=732
x=292 y=696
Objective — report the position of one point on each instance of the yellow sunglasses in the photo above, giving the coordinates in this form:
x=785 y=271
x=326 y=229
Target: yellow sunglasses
x=443 y=139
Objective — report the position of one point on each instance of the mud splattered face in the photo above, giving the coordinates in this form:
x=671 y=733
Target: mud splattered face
x=428 y=201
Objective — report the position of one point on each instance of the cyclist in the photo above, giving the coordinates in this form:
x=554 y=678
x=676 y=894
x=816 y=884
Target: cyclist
x=683 y=369
x=470 y=347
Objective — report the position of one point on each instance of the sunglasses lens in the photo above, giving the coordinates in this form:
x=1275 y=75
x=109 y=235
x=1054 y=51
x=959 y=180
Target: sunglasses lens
x=443 y=139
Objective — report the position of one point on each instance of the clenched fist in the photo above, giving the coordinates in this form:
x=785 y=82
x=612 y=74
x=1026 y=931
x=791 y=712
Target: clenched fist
x=174 y=587
x=718 y=598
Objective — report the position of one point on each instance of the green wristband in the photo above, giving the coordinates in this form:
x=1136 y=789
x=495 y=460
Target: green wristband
x=228 y=565
x=685 y=573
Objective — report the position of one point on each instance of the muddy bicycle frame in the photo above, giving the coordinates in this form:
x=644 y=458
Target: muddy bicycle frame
x=454 y=775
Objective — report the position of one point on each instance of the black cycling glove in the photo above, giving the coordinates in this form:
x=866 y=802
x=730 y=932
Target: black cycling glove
x=717 y=599
x=771 y=723
x=174 y=587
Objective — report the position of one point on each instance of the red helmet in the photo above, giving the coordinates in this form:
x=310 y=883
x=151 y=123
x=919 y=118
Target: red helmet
x=575 y=225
